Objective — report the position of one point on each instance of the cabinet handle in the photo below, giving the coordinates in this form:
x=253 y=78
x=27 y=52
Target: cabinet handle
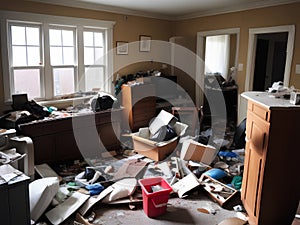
x=264 y=139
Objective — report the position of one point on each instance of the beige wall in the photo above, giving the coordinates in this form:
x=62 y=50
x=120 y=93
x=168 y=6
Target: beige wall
x=264 y=17
x=126 y=29
x=129 y=28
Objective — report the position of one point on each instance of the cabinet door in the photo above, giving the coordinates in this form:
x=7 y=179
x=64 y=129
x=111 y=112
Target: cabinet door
x=256 y=145
x=44 y=149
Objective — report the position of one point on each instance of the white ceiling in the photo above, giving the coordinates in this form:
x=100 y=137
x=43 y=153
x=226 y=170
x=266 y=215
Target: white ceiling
x=169 y=9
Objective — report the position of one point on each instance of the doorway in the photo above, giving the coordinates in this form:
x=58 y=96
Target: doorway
x=252 y=46
x=270 y=59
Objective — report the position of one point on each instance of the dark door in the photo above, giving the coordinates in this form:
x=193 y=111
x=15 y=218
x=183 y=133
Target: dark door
x=260 y=69
x=270 y=60
x=279 y=61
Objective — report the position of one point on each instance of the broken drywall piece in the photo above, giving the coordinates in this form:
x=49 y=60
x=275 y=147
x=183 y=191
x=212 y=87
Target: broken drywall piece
x=61 y=212
x=44 y=170
x=130 y=168
x=41 y=193
x=122 y=188
x=185 y=185
x=93 y=200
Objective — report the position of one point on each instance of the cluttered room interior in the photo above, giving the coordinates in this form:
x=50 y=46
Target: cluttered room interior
x=140 y=118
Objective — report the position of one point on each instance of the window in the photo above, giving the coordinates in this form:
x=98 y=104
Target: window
x=62 y=60
x=217 y=54
x=49 y=56
x=94 y=59
x=26 y=51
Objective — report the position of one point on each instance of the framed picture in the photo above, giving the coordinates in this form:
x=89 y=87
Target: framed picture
x=122 y=48
x=145 y=43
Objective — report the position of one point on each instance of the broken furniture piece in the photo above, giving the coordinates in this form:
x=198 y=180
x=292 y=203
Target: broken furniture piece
x=219 y=192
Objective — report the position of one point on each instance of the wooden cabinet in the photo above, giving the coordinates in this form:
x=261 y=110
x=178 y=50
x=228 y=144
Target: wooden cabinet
x=80 y=136
x=270 y=187
x=139 y=104
x=14 y=207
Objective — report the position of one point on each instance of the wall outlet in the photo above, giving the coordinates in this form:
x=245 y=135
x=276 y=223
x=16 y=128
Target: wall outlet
x=297 y=68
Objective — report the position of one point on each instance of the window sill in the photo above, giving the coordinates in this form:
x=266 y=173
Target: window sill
x=65 y=103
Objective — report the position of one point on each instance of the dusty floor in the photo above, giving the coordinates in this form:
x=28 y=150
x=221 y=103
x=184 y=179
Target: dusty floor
x=179 y=211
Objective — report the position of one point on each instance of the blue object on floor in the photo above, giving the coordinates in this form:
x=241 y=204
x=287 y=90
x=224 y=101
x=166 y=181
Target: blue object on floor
x=227 y=154
x=216 y=173
x=94 y=189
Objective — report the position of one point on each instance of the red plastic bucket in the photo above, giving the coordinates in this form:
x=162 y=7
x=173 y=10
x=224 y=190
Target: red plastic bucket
x=155 y=203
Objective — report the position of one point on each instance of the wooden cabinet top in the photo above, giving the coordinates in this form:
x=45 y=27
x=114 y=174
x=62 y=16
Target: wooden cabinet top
x=55 y=125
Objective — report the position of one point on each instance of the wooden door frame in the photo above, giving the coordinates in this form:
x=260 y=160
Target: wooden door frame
x=200 y=63
x=290 y=29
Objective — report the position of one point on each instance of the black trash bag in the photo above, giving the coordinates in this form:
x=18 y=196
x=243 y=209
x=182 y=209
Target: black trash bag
x=165 y=133
x=102 y=103
x=36 y=110
x=240 y=136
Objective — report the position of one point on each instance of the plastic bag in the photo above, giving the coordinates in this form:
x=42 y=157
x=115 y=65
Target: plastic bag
x=102 y=103
x=165 y=133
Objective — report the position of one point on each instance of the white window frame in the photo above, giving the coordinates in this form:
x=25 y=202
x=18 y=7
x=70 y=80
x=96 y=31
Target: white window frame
x=91 y=29
x=12 y=67
x=74 y=65
x=46 y=21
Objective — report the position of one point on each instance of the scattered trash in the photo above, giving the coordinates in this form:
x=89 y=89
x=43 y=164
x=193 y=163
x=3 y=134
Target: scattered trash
x=120 y=214
x=238 y=208
x=203 y=210
x=194 y=167
x=94 y=189
x=242 y=216
x=233 y=221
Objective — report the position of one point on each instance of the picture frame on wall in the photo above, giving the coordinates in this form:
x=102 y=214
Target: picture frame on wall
x=122 y=48
x=145 y=43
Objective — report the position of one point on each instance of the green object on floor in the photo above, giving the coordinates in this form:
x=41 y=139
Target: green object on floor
x=237 y=182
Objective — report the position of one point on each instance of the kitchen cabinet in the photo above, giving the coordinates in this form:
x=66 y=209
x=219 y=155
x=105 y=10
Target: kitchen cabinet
x=270 y=187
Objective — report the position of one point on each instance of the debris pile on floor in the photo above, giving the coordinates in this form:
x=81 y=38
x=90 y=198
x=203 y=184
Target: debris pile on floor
x=137 y=179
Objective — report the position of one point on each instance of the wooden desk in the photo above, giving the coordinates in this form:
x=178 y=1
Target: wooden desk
x=76 y=137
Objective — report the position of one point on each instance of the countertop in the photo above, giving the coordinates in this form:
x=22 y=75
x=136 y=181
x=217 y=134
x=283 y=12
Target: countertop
x=268 y=100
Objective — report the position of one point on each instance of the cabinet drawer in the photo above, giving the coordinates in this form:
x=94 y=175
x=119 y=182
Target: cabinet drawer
x=259 y=111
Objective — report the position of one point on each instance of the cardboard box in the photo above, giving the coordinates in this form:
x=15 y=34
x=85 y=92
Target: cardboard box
x=195 y=151
x=156 y=150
